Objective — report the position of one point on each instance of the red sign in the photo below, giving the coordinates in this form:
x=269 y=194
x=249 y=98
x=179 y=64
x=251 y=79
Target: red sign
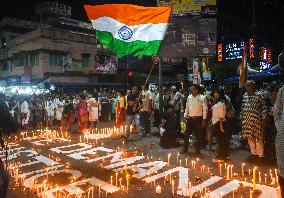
x=220 y=52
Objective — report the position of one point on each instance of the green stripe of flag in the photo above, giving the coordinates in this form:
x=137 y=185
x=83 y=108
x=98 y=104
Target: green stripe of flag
x=121 y=48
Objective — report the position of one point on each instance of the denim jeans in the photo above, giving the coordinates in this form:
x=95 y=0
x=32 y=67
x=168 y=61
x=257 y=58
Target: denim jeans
x=129 y=120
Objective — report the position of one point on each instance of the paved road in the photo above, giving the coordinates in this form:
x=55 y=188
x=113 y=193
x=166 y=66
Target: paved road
x=151 y=152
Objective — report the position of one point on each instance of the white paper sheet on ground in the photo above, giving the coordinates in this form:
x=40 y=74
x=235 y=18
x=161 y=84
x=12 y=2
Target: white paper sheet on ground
x=82 y=146
x=79 y=155
x=226 y=189
x=183 y=178
x=39 y=171
x=97 y=136
x=28 y=183
x=205 y=184
x=140 y=169
x=39 y=159
x=74 y=189
x=121 y=161
x=266 y=191
x=41 y=142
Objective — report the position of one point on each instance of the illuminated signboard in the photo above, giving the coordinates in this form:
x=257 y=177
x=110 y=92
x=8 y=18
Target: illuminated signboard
x=220 y=52
x=234 y=50
x=265 y=59
x=251 y=48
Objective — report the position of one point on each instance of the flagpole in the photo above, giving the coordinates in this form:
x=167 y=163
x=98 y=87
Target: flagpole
x=160 y=85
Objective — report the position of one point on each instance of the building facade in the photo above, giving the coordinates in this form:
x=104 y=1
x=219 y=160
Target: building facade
x=55 y=48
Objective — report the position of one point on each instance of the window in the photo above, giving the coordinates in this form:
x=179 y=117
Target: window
x=85 y=60
x=15 y=63
x=23 y=61
x=56 y=59
x=34 y=60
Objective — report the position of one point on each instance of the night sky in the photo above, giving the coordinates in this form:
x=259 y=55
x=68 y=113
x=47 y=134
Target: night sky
x=234 y=16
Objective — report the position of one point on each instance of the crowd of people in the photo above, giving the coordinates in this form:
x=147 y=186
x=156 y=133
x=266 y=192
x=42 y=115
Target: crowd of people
x=205 y=115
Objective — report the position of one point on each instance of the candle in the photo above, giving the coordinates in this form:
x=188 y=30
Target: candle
x=169 y=156
x=189 y=189
x=259 y=177
x=265 y=179
x=111 y=180
x=99 y=190
x=228 y=172
x=127 y=182
x=173 y=187
x=120 y=182
x=254 y=178
x=249 y=172
x=177 y=157
x=197 y=160
x=158 y=189
x=220 y=169
x=276 y=175
x=116 y=179
x=243 y=173
x=232 y=171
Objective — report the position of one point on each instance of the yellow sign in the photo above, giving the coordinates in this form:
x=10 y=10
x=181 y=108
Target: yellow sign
x=187 y=7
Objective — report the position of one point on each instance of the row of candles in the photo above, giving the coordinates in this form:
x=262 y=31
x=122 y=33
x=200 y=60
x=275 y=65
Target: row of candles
x=195 y=164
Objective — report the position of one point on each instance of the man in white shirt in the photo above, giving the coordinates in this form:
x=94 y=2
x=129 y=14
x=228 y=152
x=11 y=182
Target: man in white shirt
x=146 y=109
x=195 y=113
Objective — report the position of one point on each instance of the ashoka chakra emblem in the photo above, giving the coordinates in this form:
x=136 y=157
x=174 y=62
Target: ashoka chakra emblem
x=125 y=33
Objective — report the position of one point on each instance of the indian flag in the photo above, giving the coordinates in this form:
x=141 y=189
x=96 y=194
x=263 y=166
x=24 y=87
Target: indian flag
x=129 y=29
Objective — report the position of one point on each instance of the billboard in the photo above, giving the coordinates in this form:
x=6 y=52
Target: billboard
x=190 y=37
x=105 y=64
x=187 y=8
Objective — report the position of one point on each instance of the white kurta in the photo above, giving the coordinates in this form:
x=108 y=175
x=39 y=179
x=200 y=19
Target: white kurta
x=59 y=107
x=49 y=107
x=94 y=108
x=25 y=110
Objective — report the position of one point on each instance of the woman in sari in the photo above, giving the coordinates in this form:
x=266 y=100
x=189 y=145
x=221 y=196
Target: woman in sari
x=82 y=113
x=121 y=109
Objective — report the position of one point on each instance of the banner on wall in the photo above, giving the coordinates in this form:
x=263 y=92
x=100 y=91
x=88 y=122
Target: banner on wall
x=105 y=64
x=186 y=8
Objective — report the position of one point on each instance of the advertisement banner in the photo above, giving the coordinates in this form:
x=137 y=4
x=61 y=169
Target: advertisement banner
x=105 y=64
x=188 y=37
x=186 y=8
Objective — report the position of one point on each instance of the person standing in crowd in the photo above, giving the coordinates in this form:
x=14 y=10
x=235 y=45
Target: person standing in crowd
x=121 y=109
x=49 y=108
x=146 y=110
x=176 y=100
x=25 y=112
x=220 y=124
x=195 y=113
x=130 y=112
x=253 y=119
x=38 y=113
x=270 y=129
x=59 y=107
x=170 y=129
x=68 y=119
x=94 y=108
x=82 y=113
